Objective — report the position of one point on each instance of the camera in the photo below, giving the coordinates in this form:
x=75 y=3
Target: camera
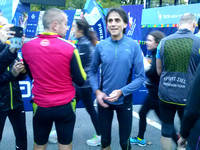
x=18 y=31
x=16 y=41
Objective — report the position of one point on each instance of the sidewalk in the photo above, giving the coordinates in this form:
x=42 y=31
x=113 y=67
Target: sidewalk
x=83 y=131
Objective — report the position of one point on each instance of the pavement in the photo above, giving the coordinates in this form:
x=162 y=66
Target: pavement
x=84 y=130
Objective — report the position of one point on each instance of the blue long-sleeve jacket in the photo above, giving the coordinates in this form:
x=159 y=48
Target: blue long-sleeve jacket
x=117 y=59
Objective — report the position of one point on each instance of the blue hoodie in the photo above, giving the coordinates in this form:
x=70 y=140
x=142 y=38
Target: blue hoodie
x=117 y=60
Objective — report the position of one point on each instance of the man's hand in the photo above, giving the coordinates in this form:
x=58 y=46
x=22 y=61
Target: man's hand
x=18 y=68
x=100 y=96
x=182 y=142
x=5 y=33
x=114 y=96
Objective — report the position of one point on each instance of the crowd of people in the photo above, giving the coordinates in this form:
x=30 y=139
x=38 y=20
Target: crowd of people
x=63 y=73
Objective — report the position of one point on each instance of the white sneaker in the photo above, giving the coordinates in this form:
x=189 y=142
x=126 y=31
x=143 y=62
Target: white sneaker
x=53 y=137
x=95 y=141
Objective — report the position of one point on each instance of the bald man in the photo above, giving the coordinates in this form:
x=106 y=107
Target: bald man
x=54 y=64
x=177 y=61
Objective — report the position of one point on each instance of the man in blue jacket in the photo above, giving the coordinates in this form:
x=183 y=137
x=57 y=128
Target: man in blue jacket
x=117 y=55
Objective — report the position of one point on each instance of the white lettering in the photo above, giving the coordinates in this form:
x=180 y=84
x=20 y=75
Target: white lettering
x=181 y=80
x=100 y=32
x=26 y=87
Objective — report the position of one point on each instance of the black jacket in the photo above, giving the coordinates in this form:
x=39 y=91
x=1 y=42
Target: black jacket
x=191 y=120
x=10 y=93
x=86 y=50
x=153 y=78
x=6 y=57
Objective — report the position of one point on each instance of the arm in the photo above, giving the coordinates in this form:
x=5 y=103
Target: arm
x=12 y=74
x=152 y=73
x=77 y=71
x=159 y=66
x=138 y=73
x=28 y=70
x=84 y=52
x=191 y=113
x=93 y=76
x=6 y=77
x=158 y=60
x=94 y=68
x=6 y=58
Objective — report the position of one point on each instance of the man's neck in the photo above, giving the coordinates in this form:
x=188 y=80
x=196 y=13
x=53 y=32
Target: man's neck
x=117 y=38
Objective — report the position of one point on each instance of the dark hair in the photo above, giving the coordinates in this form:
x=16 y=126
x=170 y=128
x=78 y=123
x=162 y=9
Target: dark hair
x=158 y=35
x=82 y=24
x=122 y=14
x=198 y=23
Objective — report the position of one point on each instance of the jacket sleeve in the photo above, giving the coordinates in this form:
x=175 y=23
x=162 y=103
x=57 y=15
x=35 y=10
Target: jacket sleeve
x=21 y=76
x=84 y=53
x=6 y=77
x=94 y=68
x=77 y=71
x=192 y=110
x=28 y=70
x=139 y=73
x=6 y=58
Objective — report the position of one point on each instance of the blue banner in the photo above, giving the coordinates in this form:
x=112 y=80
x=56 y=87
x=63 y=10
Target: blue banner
x=134 y=13
x=169 y=14
x=95 y=18
x=6 y=7
x=70 y=14
x=21 y=15
x=32 y=24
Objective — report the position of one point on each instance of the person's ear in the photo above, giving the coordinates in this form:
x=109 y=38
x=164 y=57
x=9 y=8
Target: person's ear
x=55 y=26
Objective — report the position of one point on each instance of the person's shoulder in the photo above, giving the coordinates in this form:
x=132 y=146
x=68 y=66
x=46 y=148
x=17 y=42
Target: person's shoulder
x=84 y=41
x=196 y=38
x=129 y=41
x=29 y=41
x=66 y=41
x=103 y=42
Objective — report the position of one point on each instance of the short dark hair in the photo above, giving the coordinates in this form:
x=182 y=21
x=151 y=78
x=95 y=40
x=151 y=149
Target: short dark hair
x=50 y=15
x=158 y=35
x=122 y=14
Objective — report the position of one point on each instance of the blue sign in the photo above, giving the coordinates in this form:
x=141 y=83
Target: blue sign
x=32 y=24
x=133 y=29
x=6 y=7
x=70 y=14
x=169 y=14
x=95 y=18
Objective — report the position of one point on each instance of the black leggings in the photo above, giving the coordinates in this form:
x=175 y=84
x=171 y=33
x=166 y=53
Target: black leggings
x=86 y=95
x=124 y=116
x=18 y=122
x=151 y=103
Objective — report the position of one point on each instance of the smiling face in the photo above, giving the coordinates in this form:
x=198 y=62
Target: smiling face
x=151 y=43
x=115 y=25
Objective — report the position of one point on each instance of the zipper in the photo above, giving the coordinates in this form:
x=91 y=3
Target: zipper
x=116 y=51
x=11 y=92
